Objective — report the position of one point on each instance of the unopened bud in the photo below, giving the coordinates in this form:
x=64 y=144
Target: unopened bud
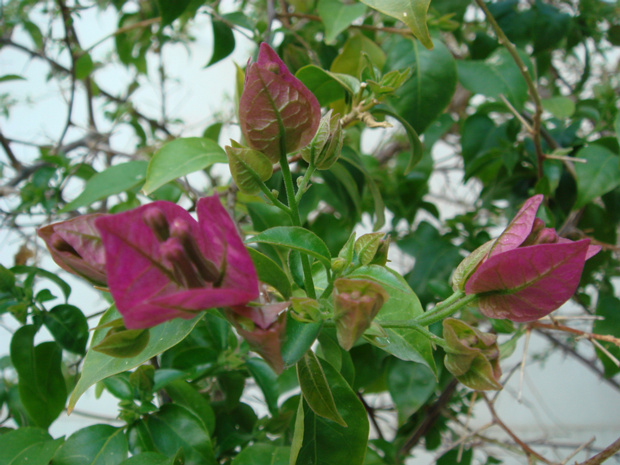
x=206 y=269
x=356 y=303
x=248 y=167
x=184 y=272
x=156 y=220
x=325 y=147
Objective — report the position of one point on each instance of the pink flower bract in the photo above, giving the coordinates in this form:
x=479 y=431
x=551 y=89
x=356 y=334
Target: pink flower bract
x=523 y=282
x=275 y=101
x=162 y=264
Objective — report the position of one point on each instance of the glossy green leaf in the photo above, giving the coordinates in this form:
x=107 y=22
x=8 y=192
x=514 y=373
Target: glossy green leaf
x=32 y=446
x=171 y=9
x=325 y=85
x=599 y=175
x=336 y=17
x=403 y=304
x=299 y=337
x=179 y=158
x=410 y=385
x=410 y=12
x=123 y=343
x=183 y=394
x=98 y=366
x=295 y=238
x=267 y=381
x=353 y=59
x=42 y=389
x=94 y=445
x=223 y=41
x=617 y=126
x=416 y=147
x=495 y=76
x=270 y=272
x=425 y=96
x=607 y=306
x=64 y=287
x=174 y=428
x=150 y=458
x=112 y=181
x=326 y=442
x=315 y=389
x=298 y=432
x=263 y=454
x=69 y=327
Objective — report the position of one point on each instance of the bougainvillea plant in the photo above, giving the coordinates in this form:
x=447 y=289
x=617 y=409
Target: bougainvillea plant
x=267 y=317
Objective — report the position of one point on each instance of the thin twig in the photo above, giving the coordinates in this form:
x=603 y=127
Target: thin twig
x=578 y=332
x=371 y=414
x=604 y=455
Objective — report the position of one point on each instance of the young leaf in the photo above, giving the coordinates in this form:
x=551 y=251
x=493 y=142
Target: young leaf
x=114 y=180
x=315 y=389
x=179 y=158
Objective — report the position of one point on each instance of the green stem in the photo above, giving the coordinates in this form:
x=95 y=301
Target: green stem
x=304 y=182
x=273 y=199
x=294 y=214
x=446 y=308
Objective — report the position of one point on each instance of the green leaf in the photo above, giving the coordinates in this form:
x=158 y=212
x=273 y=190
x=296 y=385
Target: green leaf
x=315 y=389
x=424 y=97
x=69 y=327
x=560 y=107
x=410 y=385
x=94 y=445
x=112 y=181
x=171 y=9
x=598 y=176
x=298 y=338
x=295 y=238
x=267 y=381
x=403 y=304
x=416 y=147
x=11 y=77
x=174 y=428
x=326 y=442
x=617 y=126
x=351 y=60
x=179 y=158
x=298 y=433
x=64 y=287
x=607 y=306
x=42 y=388
x=223 y=42
x=270 y=272
x=183 y=394
x=410 y=12
x=32 y=446
x=263 y=454
x=495 y=76
x=326 y=86
x=337 y=17
x=123 y=343
x=98 y=366
x=83 y=66
x=150 y=458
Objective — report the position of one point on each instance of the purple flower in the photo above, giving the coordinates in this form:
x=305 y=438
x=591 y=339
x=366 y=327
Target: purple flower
x=275 y=104
x=527 y=272
x=161 y=263
x=75 y=245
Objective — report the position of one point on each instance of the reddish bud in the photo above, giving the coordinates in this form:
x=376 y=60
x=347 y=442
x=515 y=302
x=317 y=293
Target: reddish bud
x=356 y=303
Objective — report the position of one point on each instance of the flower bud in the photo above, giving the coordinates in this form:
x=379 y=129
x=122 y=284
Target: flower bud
x=248 y=167
x=471 y=355
x=325 y=147
x=367 y=247
x=356 y=303
x=75 y=245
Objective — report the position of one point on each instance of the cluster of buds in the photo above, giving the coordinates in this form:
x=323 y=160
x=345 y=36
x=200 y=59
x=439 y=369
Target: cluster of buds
x=325 y=147
x=471 y=355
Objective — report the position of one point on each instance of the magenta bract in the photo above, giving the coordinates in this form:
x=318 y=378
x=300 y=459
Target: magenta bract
x=529 y=271
x=75 y=245
x=162 y=263
x=274 y=100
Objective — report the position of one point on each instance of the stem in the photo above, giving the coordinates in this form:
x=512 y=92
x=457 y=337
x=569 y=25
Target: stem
x=446 y=308
x=304 y=182
x=294 y=214
x=273 y=198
